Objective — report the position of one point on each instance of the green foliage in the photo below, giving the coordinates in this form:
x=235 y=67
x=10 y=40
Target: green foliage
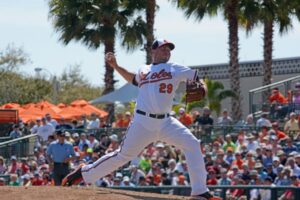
x=215 y=95
x=11 y=58
x=72 y=86
x=96 y=22
x=20 y=89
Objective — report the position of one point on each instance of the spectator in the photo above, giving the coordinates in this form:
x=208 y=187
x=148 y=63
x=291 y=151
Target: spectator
x=276 y=165
x=290 y=147
x=238 y=161
x=35 y=128
x=128 y=118
x=260 y=171
x=68 y=137
x=84 y=121
x=225 y=119
x=83 y=141
x=14 y=166
x=120 y=123
x=94 y=122
x=14 y=180
x=59 y=154
x=228 y=143
x=205 y=121
x=136 y=173
x=142 y=181
x=185 y=118
x=291 y=127
x=51 y=121
x=270 y=171
x=263 y=121
x=250 y=161
x=63 y=125
x=2 y=181
x=279 y=107
x=224 y=180
x=76 y=139
x=165 y=179
x=296 y=99
x=229 y=155
x=126 y=182
x=182 y=180
x=251 y=144
x=114 y=143
x=93 y=142
x=212 y=177
x=3 y=167
x=295 y=169
x=195 y=116
x=45 y=130
x=15 y=133
x=268 y=157
x=281 y=136
x=24 y=166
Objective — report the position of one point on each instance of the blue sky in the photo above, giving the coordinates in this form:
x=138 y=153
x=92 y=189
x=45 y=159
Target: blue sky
x=25 y=23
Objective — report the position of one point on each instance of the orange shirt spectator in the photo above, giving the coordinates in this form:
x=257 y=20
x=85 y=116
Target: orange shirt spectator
x=238 y=161
x=127 y=119
x=277 y=97
x=185 y=118
x=121 y=121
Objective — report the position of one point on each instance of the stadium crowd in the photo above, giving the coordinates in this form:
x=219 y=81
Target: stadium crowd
x=255 y=152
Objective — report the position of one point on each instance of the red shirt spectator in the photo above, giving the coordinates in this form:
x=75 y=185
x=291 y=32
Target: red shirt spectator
x=277 y=97
x=185 y=118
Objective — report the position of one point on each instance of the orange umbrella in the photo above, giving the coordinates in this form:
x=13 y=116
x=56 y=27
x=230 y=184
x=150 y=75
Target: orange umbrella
x=12 y=106
x=61 y=105
x=70 y=112
x=46 y=104
x=35 y=112
x=88 y=108
x=80 y=102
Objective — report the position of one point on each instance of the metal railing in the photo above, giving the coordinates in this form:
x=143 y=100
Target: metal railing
x=221 y=191
x=20 y=147
x=287 y=83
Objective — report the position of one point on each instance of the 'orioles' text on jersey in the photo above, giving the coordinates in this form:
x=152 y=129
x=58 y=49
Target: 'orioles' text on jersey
x=157 y=85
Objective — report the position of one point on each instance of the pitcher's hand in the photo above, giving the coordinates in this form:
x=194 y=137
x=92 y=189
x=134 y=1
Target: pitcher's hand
x=111 y=60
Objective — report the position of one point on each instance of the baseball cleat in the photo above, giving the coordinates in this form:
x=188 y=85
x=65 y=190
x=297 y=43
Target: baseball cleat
x=74 y=177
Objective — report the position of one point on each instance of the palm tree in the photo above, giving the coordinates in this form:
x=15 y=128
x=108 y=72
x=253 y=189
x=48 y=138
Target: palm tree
x=273 y=12
x=231 y=11
x=150 y=16
x=215 y=95
x=98 y=22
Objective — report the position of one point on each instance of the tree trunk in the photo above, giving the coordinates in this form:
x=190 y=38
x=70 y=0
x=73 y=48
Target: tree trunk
x=150 y=15
x=234 y=71
x=109 y=46
x=268 y=49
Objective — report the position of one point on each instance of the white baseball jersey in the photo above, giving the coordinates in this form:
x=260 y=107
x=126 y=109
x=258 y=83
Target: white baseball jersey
x=157 y=85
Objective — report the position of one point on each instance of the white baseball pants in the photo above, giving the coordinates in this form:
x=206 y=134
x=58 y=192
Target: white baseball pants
x=144 y=130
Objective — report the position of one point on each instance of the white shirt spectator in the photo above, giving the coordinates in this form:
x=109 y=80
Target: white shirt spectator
x=263 y=122
x=94 y=124
x=53 y=122
x=45 y=130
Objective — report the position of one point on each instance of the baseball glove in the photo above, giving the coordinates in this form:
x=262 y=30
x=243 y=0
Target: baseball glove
x=195 y=90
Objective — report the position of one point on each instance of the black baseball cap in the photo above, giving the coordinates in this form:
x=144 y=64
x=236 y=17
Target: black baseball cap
x=161 y=42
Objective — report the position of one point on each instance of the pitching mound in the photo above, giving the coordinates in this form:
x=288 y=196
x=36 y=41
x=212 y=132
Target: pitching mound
x=74 y=193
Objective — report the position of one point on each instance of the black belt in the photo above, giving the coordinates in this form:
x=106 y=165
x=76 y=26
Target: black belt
x=156 y=116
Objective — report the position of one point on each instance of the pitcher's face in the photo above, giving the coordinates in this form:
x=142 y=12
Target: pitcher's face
x=161 y=54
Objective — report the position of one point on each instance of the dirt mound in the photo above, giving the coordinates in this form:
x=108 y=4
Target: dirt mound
x=76 y=193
